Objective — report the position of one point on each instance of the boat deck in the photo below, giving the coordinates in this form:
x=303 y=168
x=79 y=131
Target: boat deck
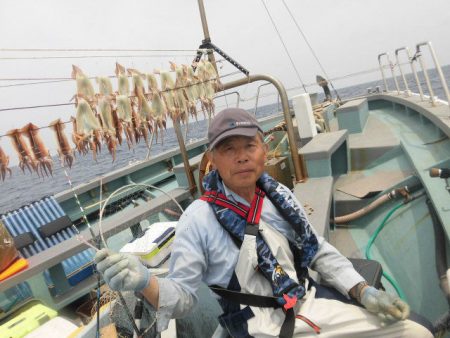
x=401 y=140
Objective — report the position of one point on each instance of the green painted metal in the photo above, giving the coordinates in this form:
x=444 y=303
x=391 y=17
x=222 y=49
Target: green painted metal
x=326 y=154
x=353 y=115
x=405 y=247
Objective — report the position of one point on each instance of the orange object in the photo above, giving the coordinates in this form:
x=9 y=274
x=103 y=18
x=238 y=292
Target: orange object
x=18 y=265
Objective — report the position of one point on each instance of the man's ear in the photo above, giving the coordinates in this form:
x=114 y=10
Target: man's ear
x=266 y=150
x=210 y=156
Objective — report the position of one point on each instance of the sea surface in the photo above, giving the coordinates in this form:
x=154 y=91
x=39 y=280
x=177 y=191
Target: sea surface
x=22 y=189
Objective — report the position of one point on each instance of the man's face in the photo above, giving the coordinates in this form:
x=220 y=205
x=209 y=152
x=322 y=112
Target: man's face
x=240 y=161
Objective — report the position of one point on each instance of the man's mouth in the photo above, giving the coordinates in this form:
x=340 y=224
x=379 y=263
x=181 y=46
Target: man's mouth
x=244 y=171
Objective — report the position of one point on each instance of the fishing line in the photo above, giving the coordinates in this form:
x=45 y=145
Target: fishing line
x=79 y=235
x=127 y=310
x=98 y=275
x=102 y=209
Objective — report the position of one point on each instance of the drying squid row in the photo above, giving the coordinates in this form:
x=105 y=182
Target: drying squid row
x=31 y=151
x=136 y=111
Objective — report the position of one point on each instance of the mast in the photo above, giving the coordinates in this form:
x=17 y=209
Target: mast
x=207 y=38
x=176 y=124
x=299 y=174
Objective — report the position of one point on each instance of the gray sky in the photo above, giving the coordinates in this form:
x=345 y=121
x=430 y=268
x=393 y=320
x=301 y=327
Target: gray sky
x=347 y=36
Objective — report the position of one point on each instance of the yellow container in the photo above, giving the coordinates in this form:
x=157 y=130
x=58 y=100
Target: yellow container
x=26 y=319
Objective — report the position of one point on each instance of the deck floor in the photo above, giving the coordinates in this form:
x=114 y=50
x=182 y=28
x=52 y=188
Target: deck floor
x=409 y=144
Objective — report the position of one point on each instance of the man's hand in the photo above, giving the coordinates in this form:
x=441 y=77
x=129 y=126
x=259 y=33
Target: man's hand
x=122 y=271
x=387 y=306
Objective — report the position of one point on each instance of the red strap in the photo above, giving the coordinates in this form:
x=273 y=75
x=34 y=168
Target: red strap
x=252 y=214
x=290 y=301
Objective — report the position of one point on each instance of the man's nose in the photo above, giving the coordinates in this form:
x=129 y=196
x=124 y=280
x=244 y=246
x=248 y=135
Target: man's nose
x=242 y=156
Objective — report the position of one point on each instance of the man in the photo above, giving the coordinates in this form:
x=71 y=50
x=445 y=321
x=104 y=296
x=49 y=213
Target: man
x=249 y=238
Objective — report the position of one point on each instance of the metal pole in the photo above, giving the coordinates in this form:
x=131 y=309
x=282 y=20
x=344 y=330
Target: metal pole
x=439 y=71
x=425 y=73
x=201 y=8
x=299 y=175
x=416 y=77
x=230 y=93
x=257 y=96
x=184 y=156
x=401 y=71
x=393 y=74
x=382 y=71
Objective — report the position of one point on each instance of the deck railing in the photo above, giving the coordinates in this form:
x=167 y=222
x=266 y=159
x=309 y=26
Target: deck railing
x=411 y=59
x=438 y=69
x=390 y=65
x=413 y=70
x=230 y=93
x=405 y=83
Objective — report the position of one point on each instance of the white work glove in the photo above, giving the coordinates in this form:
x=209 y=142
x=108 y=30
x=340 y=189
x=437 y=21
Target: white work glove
x=122 y=271
x=388 y=307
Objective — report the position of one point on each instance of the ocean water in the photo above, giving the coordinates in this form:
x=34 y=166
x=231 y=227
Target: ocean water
x=22 y=189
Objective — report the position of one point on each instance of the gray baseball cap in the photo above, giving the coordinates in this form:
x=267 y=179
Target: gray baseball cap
x=232 y=122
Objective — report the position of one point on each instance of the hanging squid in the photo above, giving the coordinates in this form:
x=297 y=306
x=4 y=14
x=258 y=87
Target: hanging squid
x=104 y=86
x=4 y=164
x=124 y=113
x=24 y=153
x=168 y=94
x=87 y=129
x=196 y=88
x=190 y=90
x=106 y=96
x=41 y=154
x=158 y=107
x=206 y=87
x=153 y=87
x=85 y=89
x=184 y=106
x=142 y=119
x=141 y=107
x=123 y=83
x=81 y=144
x=108 y=124
x=213 y=76
x=138 y=81
x=65 y=151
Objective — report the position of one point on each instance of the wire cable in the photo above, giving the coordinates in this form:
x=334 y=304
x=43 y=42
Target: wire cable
x=284 y=45
x=70 y=103
x=91 y=56
x=92 y=50
x=46 y=80
x=310 y=48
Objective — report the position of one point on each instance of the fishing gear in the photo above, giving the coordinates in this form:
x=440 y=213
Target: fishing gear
x=96 y=248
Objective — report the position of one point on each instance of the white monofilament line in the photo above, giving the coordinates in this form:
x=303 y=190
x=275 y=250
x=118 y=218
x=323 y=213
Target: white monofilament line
x=79 y=236
x=119 y=190
x=100 y=216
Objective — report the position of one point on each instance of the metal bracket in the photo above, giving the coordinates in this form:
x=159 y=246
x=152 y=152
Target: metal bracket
x=207 y=44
